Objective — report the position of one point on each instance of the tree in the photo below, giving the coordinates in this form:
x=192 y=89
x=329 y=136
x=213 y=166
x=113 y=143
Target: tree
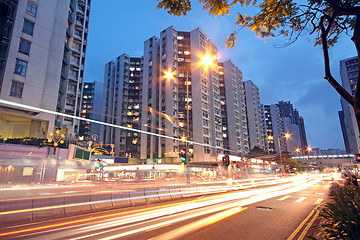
x=256 y=152
x=327 y=19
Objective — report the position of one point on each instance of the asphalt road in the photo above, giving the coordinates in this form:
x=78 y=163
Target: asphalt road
x=283 y=211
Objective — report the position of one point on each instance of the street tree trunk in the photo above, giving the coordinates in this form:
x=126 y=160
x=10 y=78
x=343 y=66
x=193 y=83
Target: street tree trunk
x=326 y=23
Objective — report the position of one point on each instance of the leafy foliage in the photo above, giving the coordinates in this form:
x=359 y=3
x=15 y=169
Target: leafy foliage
x=257 y=152
x=326 y=19
x=342 y=215
x=295 y=165
x=278 y=17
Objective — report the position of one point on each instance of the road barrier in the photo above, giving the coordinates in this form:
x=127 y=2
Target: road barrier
x=17 y=211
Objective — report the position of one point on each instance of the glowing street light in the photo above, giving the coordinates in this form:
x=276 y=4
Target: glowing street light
x=169 y=74
x=308 y=149
x=207 y=60
x=286 y=136
x=56 y=138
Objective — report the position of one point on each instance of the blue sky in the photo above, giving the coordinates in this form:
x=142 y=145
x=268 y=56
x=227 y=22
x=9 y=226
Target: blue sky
x=294 y=73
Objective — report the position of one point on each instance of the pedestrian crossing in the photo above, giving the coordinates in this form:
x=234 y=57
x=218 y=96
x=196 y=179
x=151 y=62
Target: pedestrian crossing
x=300 y=199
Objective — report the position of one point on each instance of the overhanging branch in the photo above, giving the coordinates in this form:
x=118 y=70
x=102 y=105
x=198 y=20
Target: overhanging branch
x=328 y=76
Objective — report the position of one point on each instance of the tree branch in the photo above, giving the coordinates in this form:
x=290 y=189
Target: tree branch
x=343 y=93
x=356 y=40
x=335 y=5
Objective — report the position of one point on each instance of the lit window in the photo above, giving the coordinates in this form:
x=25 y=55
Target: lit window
x=16 y=89
x=20 y=67
x=31 y=8
x=28 y=27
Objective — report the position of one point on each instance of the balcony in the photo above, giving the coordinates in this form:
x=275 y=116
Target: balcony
x=68 y=32
x=63 y=75
x=67 y=46
x=65 y=60
x=75 y=62
x=80 y=10
x=59 y=106
x=70 y=19
x=79 y=23
x=61 y=89
x=72 y=5
x=73 y=78
x=70 y=91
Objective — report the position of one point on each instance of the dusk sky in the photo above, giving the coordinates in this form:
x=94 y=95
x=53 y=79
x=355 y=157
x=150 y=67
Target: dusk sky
x=294 y=73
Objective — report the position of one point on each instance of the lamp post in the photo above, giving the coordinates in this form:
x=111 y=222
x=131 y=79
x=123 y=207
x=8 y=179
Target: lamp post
x=206 y=61
x=286 y=136
x=309 y=149
x=56 y=138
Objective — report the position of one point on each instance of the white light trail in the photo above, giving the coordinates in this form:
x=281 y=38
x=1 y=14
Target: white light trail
x=24 y=106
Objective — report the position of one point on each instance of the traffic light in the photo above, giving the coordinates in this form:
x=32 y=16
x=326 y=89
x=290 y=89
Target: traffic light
x=98 y=163
x=183 y=155
x=226 y=160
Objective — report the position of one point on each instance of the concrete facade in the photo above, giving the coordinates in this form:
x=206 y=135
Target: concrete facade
x=185 y=106
x=254 y=116
x=47 y=47
x=233 y=109
x=349 y=73
x=121 y=105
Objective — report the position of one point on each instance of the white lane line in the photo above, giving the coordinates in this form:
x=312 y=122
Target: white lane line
x=283 y=198
x=318 y=201
x=300 y=199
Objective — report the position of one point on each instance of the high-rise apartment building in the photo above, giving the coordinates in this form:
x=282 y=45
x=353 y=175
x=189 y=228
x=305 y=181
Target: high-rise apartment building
x=254 y=116
x=274 y=128
x=45 y=66
x=91 y=108
x=185 y=105
x=121 y=105
x=264 y=129
x=151 y=77
x=349 y=73
x=298 y=134
x=233 y=109
x=7 y=17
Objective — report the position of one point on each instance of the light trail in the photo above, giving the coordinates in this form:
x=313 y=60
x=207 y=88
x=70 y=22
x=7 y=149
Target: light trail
x=199 y=224
x=37 y=109
x=218 y=203
x=181 y=191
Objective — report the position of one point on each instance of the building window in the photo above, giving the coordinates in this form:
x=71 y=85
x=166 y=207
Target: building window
x=16 y=89
x=28 y=27
x=20 y=67
x=24 y=46
x=31 y=8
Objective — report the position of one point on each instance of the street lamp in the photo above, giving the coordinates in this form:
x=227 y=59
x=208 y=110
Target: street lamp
x=206 y=61
x=286 y=136
x=308 y=149
x=57 y=138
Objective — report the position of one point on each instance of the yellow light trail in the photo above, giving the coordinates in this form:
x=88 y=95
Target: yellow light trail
x=297 y=184
x=85 y=220
x=199 y=224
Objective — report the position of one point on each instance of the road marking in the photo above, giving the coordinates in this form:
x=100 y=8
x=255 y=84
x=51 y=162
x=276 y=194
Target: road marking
x=300 y=199
x=301 y=225
x=283 y=198
x=317 y=202
x=301 y=237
